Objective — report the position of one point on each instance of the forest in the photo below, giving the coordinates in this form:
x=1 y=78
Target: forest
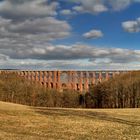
x=122 y=91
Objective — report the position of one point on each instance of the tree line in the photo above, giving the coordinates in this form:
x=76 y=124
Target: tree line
x=123 y=91
x=19 y=90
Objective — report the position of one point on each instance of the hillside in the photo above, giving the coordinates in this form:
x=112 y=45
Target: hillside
x=31 y=123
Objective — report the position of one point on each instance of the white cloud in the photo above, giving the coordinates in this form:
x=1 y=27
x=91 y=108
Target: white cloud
x=65 y=65
x=27 y=8
x=67 y=12
x=119 y=4
x=99 y=6
x=30 y=21
x=93 y=34
x=43 y=8
x=47 y=29
x=131 y=26
x=75 y=52
x=3 y=57
x=78 y=57
x=43 y=25
x=90 y=6
x=4 y=22
x=28 y=26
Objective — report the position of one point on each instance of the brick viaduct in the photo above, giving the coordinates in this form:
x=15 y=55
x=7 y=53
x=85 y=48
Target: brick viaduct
x=63 y=80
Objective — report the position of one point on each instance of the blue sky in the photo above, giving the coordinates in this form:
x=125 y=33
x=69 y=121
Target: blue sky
x=69 y=34
x=109 y=23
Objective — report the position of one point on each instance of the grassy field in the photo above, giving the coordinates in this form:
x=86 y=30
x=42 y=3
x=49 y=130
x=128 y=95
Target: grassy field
x=19 y=122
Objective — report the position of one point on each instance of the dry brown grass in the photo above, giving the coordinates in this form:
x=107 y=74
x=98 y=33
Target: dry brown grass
x=19 y=122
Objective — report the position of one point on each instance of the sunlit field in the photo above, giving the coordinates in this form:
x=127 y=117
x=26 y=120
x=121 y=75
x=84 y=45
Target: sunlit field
x=18 y=122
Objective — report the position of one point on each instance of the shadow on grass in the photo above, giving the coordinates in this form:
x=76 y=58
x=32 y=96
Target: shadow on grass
x=86 y=114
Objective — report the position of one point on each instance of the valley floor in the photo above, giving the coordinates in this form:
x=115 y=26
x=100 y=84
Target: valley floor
x=18 y=122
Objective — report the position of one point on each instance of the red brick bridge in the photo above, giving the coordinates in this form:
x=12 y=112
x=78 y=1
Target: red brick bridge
x=63 y=80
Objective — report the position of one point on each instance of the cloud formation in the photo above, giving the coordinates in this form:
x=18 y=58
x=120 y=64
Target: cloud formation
x=27 y=8
x=3 y=57
x=31 y=20
x=132 y=26
x=46 y=29
x=67 y=12
x=99 y=6
x=90 y=6
x=29 y=27
x=118 y=5
x=93 y=34
x=74 y=52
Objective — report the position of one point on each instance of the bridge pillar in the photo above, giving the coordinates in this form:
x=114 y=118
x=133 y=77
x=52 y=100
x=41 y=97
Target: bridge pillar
x=49 y=79
x=21 y=73
x=32 y=76
x=107 y=76
x=28 y=75
x=81 y=82
x=25 y=74
x=69 y=79
x=59 y=87
x=45 y=79
x=54 y=79
x=100 y=76
x=114 y=74
x=86 y=82
x=41 y=77
x=93 y=78
x=36 y=76
x=74 y=80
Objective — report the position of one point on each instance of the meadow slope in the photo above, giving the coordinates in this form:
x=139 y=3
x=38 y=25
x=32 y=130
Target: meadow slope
x=18 y=122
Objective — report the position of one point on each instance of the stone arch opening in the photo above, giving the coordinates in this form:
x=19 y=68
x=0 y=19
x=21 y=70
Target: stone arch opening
x=51 y=85
x=56 y=86
x=47 y=85
x=77 y=87
x=71 y=86
x=64 y=86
